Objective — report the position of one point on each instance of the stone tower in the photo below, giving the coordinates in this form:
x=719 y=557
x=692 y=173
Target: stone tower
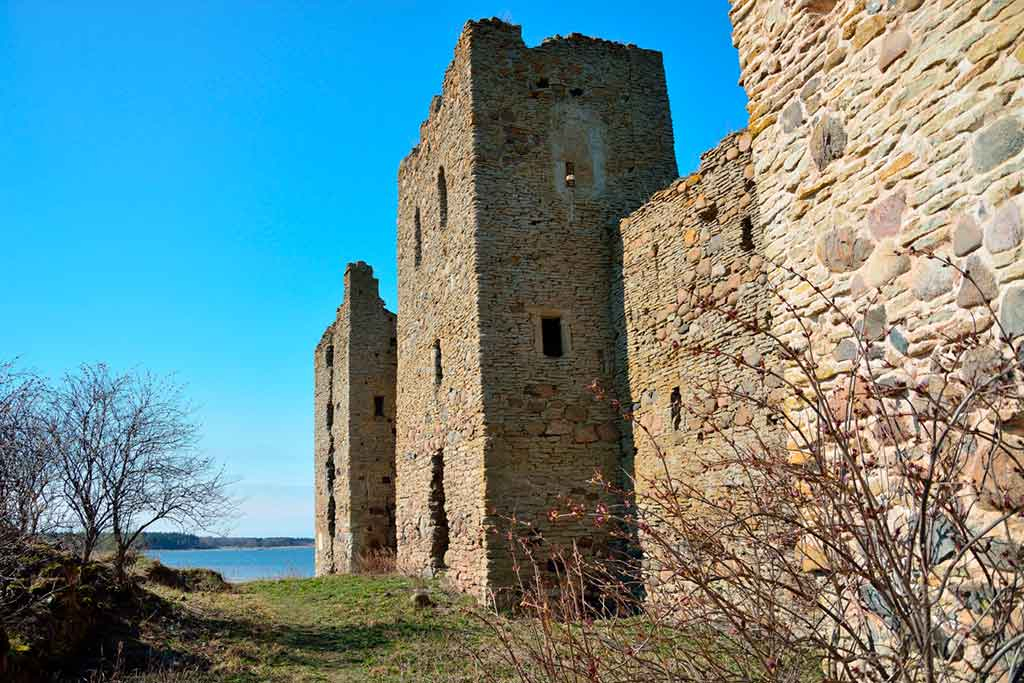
x=508 y=214
x=354 y=437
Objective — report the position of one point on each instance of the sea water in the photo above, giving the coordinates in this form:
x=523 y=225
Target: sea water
x=243 y=564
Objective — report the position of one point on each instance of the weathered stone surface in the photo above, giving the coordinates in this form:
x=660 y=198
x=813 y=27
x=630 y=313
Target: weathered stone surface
x=894 y=46
x=867 y=30
x=792 y=116
x=842 y=249
x=828 y=141
x=998 y=37
x=995 y=468
x=585 y=434
x=997 y=143
x=932 y=278
x=874 y=325
x=1004 y=231
x=355 y=403
x=886 y=216
x=978 y=285
x=966 y=236
x=1011 y=312
x=886 y=263
x=847 y=349
x=899 y=340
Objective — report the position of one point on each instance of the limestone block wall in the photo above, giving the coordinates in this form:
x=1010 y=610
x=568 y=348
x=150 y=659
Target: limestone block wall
x=506 y=214
x=690 y=260
x=355 y=367
x=570 y=135
x=885 y=126
x=440 y=441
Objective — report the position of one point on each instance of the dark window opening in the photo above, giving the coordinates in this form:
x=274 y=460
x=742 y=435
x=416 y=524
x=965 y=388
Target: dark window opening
x=555 y=565
x=378 y=406
x=543 y=83
x=419 y=239
x=329 y=356
x=747 y=235
x=676 y=403
x=570 y=174
x=576 y=92
x=442 y=197
x=438 y=368
x=331 y=513
x=551 y=337
x=438 y=515
x=329 y=480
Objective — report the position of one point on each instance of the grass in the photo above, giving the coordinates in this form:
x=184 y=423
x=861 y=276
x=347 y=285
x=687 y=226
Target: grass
x=357 y=628
x=344 y=628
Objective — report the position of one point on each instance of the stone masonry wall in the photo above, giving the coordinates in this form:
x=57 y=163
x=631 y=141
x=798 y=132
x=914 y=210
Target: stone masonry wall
x=879 y=127
x=354 y=440
x=689 y=257
x=570 y=136
x=489 y=426
x=440 y=443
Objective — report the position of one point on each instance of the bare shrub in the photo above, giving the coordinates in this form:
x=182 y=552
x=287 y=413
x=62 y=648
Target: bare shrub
x=869 y=520
x=377 y=561
x=127 y=449
x=28 y=483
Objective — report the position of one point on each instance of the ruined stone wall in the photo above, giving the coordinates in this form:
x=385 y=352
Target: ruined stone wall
x=690 y=261
x=490 y=426
x=881 y=127
x=571 y=135
x=355 y=367
x=440 y=443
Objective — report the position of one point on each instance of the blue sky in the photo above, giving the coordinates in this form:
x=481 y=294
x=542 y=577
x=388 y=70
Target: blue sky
x=181 y=184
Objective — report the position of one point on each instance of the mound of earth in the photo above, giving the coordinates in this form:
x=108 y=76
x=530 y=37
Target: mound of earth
x=189 y=580
x=65 y=619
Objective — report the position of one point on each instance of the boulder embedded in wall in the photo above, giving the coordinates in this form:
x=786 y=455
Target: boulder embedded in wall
x=792 y=117
x=886 y=216
x=585 y=434
x=979 y=284
x=1011 y=312
x=874 y=324
x=898 y=340
x=1004 y=231
x=885 y=265
x=828 y=141
x=559 y=427
x=932 y=278
x=842 y=249
x=996 y=468
x=894 y=45
x=812 y=555
x=997 y=143
x=608 y=431
x=966 y=236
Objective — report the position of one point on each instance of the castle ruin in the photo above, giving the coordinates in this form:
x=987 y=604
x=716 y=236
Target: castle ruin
x=545 y=242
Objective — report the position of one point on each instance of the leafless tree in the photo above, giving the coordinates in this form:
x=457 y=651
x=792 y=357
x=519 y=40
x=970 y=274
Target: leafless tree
x=27 y=482
x=127 y=444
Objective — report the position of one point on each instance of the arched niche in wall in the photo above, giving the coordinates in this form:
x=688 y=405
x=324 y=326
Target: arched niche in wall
x=578 y=151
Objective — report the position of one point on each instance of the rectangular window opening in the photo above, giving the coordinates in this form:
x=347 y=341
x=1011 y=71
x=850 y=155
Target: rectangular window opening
x=378 y=406
x=551 y=337
x=438 y=516
x=438 y=368
x=676 y=403
x=747 y=235
x=570 y=174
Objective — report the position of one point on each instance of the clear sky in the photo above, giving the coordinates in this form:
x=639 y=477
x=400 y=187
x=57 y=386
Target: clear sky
x=181 y=184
